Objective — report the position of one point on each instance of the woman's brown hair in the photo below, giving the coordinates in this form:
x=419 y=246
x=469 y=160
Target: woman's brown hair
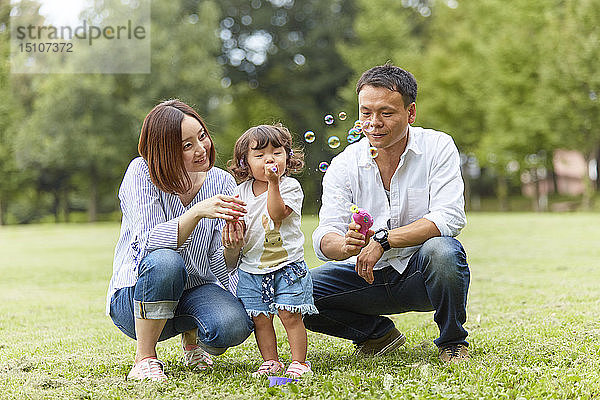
x=278 y=135
x=160 y=145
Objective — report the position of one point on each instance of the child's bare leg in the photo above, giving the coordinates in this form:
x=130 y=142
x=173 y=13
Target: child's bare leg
x=296 y=332
x=265 y=337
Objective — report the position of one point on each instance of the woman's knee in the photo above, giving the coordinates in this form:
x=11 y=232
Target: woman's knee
x=164 y=265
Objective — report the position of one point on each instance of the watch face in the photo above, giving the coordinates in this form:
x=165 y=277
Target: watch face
x=379 y=235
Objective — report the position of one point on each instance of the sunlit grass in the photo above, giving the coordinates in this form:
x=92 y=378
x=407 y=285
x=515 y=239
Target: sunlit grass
x=533 y=323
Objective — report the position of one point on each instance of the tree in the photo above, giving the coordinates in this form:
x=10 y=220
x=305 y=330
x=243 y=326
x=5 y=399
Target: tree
x=83 y=128
x=283 y=53
x=572 y=82
x=7 y=161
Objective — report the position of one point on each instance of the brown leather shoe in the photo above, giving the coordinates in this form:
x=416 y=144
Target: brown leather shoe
x=380 y=346
x=454 y=353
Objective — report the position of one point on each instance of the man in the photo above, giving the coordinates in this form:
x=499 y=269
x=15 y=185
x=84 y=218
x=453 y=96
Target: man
x=408 y=178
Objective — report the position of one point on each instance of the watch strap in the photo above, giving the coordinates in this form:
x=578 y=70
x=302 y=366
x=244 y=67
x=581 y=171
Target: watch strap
x=385 y=244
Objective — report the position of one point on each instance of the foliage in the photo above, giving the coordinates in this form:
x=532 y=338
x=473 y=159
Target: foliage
x=570 y=80
x=285 y=52
x=510 y=84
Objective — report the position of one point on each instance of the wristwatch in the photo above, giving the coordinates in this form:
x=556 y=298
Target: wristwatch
x=381 y=237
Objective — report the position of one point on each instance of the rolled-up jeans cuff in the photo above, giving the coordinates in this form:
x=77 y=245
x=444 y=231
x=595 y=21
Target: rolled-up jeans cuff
x=154 y=309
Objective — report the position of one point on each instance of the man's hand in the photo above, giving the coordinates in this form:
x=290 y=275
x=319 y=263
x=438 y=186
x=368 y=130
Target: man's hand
x=366 y=260
x=354 y=241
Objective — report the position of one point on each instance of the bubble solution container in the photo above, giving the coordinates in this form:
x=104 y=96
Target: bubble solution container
x=279 y=380
x=363 y=218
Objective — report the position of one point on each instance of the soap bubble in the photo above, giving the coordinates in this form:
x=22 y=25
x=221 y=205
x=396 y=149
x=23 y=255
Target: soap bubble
x=309 y=136
x=368 y=127
x=323 y=165
x=373 y=152
x=334 y=142
x=353 y=135
x=329 y=119
x=342 y=115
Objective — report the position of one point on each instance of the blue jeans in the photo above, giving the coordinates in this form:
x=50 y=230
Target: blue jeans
x=436 y=278
x=159 y=294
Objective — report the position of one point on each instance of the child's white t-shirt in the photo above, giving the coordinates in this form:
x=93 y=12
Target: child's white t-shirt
x=269 y=247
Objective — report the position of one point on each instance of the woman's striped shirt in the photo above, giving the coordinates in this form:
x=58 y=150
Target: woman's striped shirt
x=150 y=222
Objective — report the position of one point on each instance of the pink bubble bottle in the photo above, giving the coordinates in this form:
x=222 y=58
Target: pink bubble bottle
x=363 y=218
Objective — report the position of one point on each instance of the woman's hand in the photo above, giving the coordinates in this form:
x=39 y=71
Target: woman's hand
x=222 y=206
x=233 y=235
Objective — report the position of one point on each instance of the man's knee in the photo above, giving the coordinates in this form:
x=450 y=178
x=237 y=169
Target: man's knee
x=324 y=278
x=444 y=254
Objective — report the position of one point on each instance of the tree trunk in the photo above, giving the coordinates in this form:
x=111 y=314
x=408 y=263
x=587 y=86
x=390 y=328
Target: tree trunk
x=2 y=213
x=535 y=204
x=93 y=199
x=56 y=206
x=502 y=193
x=65 y=204
x=467 y=192
x=588 y=191
x=597 y=181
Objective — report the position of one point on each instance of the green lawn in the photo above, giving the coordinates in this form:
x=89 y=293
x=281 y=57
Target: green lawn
x=533 y=320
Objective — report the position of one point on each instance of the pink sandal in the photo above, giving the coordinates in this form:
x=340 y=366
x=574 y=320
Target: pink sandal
x=298 y=369
x=149 y=368
x=269 y=367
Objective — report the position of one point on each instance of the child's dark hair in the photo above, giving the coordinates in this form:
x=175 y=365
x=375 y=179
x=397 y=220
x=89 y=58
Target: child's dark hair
x=278 y=136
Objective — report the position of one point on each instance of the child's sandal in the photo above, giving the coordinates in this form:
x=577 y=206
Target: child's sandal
x=269 y=367
x=298 y=369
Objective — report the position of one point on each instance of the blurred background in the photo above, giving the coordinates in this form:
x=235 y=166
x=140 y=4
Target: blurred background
x=515 y=83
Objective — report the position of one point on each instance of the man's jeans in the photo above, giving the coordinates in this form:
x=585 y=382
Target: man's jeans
x=158 y=293
x=436 y=278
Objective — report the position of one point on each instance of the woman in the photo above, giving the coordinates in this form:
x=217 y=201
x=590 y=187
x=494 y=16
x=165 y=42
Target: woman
x=169 y=271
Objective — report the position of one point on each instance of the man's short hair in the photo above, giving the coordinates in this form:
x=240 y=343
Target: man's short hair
x=393 y=78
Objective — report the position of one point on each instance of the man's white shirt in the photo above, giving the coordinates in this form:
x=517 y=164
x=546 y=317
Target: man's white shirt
x=426 y=184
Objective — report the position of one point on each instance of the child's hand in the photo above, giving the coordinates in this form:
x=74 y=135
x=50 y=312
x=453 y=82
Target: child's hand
x=272 y=173
x=233 y=234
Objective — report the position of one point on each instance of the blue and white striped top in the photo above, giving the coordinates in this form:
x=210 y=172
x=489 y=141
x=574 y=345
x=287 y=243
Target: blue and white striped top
x=150 y=222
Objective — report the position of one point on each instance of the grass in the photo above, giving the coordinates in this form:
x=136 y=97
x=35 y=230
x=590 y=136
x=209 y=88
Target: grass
x=533 y=323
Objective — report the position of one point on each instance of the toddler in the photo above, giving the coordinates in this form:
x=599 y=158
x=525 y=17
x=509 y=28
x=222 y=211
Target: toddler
x=273 y=277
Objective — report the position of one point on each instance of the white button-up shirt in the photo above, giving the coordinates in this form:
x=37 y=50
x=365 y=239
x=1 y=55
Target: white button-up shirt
x=426 y=184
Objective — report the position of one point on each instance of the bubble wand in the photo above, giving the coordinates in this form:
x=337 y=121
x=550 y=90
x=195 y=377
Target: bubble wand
x=363 y=218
